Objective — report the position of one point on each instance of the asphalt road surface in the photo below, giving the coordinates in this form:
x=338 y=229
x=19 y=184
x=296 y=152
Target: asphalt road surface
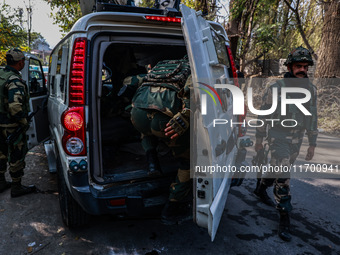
x=33 y=225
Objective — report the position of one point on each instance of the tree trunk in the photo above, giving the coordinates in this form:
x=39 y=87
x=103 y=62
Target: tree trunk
x=329 y=51
x=233 y=31
x=248 y=37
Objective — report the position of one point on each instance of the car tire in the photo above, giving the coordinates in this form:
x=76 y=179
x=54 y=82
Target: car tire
x=72 y=213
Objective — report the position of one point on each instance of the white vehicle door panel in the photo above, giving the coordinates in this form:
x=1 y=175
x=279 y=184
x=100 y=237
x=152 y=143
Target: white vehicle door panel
x=33 y=75
x=211 y=190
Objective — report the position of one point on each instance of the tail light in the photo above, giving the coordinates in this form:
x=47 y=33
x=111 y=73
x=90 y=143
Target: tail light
x=233 y=66
x=73 y=141
x=242 y=128
x=164 y=19
x=73 y=119
x=77 y=73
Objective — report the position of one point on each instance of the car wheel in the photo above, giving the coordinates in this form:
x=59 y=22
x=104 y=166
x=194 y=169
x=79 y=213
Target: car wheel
x=72 y=214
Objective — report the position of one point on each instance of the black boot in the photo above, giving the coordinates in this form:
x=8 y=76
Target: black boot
x=284 y=232
x=18 y=190
x=261 y=192
x=3 y=183
x=153 y=167
x=176 y=212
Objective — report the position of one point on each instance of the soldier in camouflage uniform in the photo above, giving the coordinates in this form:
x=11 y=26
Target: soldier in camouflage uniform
x=14 y=108
x=285 y=142
x=161 y=111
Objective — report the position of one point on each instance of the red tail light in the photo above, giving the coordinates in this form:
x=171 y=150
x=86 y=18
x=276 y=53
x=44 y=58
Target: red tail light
x=233 y=67
x=77 y=73
x=73 y=120
x=242 y=129
x=164 y=19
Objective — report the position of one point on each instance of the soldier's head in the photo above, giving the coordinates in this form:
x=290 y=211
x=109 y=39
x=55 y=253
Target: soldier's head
x=15 y=58
x=298 y=61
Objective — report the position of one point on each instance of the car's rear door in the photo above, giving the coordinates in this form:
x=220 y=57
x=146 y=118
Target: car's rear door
x=212 y=146
x=33 y=74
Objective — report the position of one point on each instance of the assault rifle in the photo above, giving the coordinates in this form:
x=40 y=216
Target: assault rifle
x=12 y=138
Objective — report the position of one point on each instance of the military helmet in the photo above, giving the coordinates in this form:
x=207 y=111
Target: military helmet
x=300 y=54
x=15 y=54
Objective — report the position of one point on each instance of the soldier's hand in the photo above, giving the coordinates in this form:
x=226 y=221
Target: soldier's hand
x=170 y=131
x=258 y=147
x=310 y=152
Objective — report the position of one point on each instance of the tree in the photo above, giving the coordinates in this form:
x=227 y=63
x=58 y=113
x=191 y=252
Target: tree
x=68 y=12
x=299 y=24
x=146 y=3
x=38 y=40
x=11 y=33
x=329 y=52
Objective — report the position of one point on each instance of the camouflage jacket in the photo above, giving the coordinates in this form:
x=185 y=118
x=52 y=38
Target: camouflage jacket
x=303 y=123
x=15 y=99
x=163 y=99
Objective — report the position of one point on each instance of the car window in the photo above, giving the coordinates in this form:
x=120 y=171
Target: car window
x=36 y=80
x=222 y=56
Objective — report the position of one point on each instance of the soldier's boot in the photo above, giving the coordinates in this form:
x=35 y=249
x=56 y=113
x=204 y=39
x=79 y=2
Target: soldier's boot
x=261 y=192
x=176 y=212
x=153 y=167
x=18 y=190
x=284 y=232
x=3 y=183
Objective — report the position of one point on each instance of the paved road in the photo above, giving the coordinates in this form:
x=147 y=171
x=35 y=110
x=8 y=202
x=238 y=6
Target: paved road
x=247 y=226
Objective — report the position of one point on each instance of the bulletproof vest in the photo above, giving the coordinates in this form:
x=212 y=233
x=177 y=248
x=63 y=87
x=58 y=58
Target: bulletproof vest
x=4 y=77
x=159 y=90
x=303 y=121
x=4 y=80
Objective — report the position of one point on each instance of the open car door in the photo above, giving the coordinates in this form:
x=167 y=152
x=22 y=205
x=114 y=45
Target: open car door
x=212 y=146
x=33 y=74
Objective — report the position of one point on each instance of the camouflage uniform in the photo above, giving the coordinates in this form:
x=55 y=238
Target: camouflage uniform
x=284 y=142
x=14 y=111
x=153 y=107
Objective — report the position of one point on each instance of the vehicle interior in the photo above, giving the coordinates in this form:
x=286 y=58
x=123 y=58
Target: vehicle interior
x=122 y=154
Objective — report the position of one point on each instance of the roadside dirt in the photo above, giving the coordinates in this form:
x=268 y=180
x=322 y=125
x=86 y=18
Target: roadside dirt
x=31 y=223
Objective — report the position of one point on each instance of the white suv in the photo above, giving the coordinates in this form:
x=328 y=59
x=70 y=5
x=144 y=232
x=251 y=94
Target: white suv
x=93 y=146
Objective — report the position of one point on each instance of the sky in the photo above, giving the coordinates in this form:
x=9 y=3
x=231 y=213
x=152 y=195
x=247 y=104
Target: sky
x=41 y=22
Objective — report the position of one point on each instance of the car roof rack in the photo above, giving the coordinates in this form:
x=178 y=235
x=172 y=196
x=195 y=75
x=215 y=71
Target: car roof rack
x=110 y=7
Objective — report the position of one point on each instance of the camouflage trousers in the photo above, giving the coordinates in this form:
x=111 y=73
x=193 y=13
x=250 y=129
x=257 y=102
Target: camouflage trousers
x=14 y=154
x=284 y=147
x=151 y=124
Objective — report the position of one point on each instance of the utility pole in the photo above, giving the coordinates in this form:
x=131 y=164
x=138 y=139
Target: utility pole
x=29 y=23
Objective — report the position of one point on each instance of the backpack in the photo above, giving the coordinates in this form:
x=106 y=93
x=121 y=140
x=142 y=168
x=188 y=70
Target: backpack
x=171 y=74
x=162 y=85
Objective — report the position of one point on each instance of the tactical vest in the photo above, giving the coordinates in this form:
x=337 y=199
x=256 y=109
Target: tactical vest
x=4 y=77
x=303 y=121
x=160 y=88
x=4 y=80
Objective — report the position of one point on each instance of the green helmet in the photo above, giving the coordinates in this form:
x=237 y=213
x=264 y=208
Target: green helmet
x=300 y=54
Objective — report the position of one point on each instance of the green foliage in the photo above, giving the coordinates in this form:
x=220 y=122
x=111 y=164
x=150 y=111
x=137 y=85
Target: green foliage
x=274 y=30
x=37 y=40
x=68 y=12
x=146 y=3
x=11 y=33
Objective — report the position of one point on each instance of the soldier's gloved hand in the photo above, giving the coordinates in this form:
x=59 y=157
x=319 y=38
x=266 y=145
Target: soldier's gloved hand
x=178 y=124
